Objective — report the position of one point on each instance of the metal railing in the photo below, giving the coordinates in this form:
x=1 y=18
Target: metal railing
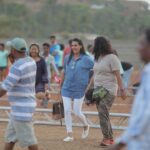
x=46 y=115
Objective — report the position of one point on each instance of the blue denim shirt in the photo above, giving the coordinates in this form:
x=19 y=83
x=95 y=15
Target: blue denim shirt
x=76 y=76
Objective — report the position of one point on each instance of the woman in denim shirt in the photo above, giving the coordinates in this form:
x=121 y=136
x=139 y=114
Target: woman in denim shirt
x=77 y=67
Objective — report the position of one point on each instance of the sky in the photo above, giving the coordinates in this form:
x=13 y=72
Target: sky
x=147 y=1
x=142 y=0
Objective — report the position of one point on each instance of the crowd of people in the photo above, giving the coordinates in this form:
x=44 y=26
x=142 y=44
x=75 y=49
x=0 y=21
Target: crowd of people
x=77 y=71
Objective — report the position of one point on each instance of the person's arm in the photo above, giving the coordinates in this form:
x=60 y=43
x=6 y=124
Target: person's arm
x=2 y=92
x=11 y=58
x=54 y=67
x=89 y=65
x=62 y=79
x=91 y=83
x=10 y=81
x=115 y=67
x=120 y=84
x=44 y=74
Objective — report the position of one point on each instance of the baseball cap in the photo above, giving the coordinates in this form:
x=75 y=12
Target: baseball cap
x=18 y=44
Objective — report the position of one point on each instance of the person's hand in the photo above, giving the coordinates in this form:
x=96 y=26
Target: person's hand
x=117 y=147
x=123 y=94
x=11 y=58
x=87 y=102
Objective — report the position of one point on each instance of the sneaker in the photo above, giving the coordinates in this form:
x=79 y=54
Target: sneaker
x=68 y=139
x=85 y=132
x=107 y=142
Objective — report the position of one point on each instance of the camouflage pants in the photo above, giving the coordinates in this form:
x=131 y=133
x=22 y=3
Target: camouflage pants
x=103 y=108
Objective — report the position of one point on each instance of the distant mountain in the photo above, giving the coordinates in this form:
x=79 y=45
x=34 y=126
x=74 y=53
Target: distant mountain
x=34 y=5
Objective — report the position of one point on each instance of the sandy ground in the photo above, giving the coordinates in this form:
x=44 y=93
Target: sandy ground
x=50 y=138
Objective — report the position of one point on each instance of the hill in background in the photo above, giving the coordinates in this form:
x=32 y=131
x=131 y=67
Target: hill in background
x=40 y=18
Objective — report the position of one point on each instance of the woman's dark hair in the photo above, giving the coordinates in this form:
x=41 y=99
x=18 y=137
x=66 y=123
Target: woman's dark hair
x=46 y=44
x=101 y=47
x=82 y=50
x=38 y=47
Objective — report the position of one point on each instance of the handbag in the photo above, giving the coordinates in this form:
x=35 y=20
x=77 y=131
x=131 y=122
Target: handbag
x=89 y=97
x=58 y=111
x=99 y=93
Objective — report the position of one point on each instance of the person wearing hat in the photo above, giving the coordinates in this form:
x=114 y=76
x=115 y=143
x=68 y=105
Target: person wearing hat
x=20 y=87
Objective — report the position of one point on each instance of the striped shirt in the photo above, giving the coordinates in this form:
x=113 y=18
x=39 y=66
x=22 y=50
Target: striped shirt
x=20 y=87
x=137 y=135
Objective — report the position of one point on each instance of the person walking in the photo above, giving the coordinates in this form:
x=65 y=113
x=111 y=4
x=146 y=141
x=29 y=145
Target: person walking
x=106 y=78
x=75 y=79
x=55 y=50
x=20 y=87
x=136 y=136
x=41 y=85
x=50 y=62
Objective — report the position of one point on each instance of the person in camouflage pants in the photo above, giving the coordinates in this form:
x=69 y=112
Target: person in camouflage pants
x=103 y=107
x=107 y=74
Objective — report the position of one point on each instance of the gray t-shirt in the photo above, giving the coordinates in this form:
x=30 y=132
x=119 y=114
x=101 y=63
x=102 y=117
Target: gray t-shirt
x=104 y=73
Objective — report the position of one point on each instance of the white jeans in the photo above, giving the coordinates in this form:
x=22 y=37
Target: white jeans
x=77 y=109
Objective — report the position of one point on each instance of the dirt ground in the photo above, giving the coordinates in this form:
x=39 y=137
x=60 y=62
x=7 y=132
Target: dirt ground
x=51 y=138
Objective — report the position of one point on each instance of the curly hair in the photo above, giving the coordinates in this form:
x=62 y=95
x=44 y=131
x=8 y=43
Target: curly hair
x=102 y=47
